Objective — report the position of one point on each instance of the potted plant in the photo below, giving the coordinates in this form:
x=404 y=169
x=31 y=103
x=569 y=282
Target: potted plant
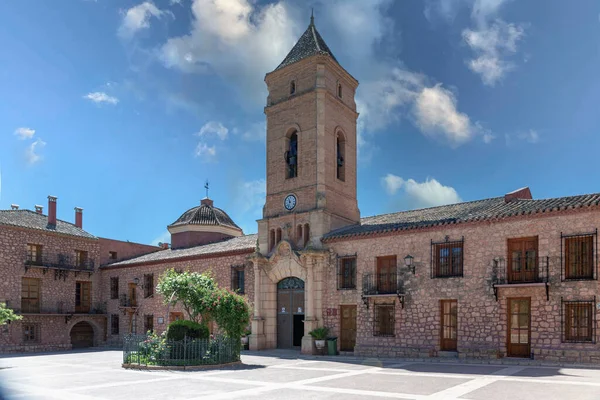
x=319 y=334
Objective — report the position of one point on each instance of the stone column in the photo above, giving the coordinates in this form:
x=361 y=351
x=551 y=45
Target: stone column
x=310 y=321
x=257 y=337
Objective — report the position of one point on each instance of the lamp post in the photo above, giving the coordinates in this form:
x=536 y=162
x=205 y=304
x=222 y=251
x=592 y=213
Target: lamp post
x=408 y=261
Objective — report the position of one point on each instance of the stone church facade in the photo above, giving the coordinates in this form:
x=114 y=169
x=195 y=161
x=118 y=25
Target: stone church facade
x=509 y=276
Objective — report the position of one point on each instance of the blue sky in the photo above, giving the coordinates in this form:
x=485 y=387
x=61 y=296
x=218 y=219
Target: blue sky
x=125 y=108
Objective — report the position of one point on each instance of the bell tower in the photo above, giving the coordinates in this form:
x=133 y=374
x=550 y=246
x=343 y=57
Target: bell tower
x=311 y=147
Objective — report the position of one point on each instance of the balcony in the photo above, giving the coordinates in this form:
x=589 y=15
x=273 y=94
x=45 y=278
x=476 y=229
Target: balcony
x=33 y=306
x=382 y=285
x=58 y=262
x=521 y=271
x=127 y=301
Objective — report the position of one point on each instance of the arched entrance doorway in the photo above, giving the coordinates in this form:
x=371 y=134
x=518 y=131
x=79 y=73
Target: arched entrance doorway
x=290 y=313
x=82 y=335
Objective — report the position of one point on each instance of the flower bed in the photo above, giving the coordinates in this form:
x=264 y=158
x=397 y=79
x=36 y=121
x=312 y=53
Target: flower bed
x=153 y=350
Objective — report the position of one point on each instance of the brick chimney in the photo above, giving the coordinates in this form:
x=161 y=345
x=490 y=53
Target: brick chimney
x=14 y=206
x=52 y=210
x=164 y=246
x=206 y=201
x=519 y=194
x=39 y=209
x=79 y=217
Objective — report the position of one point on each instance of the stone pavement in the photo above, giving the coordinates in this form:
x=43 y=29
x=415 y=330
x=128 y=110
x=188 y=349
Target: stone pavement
x=95 y=375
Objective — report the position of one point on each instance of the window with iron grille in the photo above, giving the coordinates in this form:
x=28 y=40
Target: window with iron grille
x=31 y=333
x=238 y=279
x=114 y=324
x=148 y=323
x=447 y=258
x=384 y=321
x=579 y=258
x=347 y=272
x=148 y=285
x=34 y=254
x=114 y=287
x=579 y=321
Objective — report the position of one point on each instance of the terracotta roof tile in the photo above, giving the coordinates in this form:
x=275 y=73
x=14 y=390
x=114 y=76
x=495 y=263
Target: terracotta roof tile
x=240 y=243
x=33 y=220
x=478 y=210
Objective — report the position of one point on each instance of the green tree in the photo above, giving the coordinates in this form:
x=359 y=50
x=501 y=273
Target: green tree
x=7 y=315
x=204 y=301
x=193 y=290
x=232 y=313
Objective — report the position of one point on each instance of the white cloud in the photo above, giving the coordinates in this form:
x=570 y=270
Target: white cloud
x=491 y=45
x=172 y=2
x=430 y=193
x=31 y=153
x=138 y=17
x=101 y=97
x=24 y=133
x=206 y=152
x=235 y=39
x=214 y=128
x=488 y=137
x=239 y=41
x=392 y=183
x=531 y=136
x=436 y=115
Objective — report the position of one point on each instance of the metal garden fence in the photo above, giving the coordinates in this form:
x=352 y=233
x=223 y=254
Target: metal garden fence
x=155 y=350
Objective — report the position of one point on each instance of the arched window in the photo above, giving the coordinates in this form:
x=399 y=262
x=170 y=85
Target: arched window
x=292 y=87
x=306 y=234
x=291 y=156
x=340 y=155
x=299 y=236
x=271 y=239
x=278 y=236
x=339 y=90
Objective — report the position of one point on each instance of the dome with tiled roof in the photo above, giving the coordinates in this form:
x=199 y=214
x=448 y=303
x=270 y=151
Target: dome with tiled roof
x=201 y=225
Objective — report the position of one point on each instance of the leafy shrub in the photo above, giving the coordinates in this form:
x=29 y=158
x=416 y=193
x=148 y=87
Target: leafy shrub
x=319 y=333
x=178 y=330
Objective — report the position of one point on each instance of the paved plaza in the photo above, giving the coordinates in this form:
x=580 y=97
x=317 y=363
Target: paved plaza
x=98 y=375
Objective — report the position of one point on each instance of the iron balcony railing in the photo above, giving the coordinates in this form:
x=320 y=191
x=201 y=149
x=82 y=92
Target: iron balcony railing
x=518 y=270
x=386 y=283
x=32 y=306
x=127 y=301
x=58 y=261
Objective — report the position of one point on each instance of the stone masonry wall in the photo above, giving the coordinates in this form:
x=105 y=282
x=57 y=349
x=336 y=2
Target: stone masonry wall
x=57 y=293
x=482 y=321
x=219 y=266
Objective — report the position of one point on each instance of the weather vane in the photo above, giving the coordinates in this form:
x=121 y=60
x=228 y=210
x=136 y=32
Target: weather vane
x=206 y=187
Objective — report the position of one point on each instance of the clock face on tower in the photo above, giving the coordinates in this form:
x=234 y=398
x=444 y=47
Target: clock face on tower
x=290 y=202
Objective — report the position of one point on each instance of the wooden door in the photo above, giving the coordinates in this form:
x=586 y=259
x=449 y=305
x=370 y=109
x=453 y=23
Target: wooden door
x=449 y=325
x=82 y=335
x=386 y=274
x=523 y=260
x=284 y=319
x=83 y=292
x=348 y=328
x=132 y=295
x=519 y=327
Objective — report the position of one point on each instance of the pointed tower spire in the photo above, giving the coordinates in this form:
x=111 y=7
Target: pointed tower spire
x=310 y=44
